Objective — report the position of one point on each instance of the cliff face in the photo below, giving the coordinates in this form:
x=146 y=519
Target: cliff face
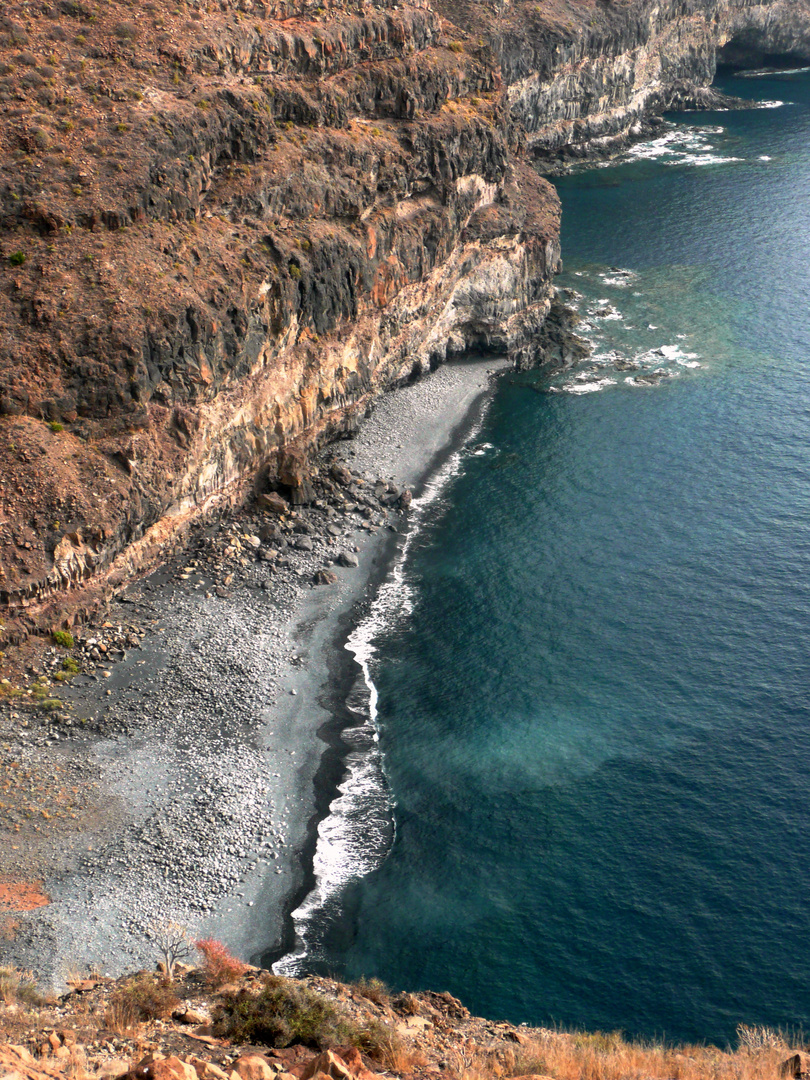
x=227 y=226
x=576 y=91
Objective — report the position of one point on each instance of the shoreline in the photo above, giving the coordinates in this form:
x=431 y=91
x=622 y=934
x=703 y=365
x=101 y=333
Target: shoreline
x=214 y=797
x=342 y=663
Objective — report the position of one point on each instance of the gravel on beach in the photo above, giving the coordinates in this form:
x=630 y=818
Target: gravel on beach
x=186 y=750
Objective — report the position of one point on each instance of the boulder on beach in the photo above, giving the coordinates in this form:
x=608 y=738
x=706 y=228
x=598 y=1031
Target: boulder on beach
x=272 y=501
x=325 y=577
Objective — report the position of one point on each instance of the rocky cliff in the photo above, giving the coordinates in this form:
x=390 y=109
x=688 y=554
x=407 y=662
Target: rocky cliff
x=227 y=226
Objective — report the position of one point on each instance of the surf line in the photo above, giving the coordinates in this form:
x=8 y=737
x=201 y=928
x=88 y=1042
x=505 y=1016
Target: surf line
x=359 y=829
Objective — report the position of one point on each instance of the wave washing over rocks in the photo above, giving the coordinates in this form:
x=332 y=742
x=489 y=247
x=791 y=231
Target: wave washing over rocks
x=617 y=353
x=201 y=726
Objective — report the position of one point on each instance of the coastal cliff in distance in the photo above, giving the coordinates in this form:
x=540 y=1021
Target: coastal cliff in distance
x=228 y=225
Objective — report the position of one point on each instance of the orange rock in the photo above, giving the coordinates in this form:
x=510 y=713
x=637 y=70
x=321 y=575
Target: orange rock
x=111 y=1070
x=328 y=1064
x=796 y=1066
x=350 y=1055
x=254 y=1067
x=171 y=1068
x=213 y=1072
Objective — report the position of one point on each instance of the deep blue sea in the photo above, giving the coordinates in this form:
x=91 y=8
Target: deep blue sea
x=593 y=666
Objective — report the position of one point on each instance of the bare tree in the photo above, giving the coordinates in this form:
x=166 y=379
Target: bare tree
x=173 y=942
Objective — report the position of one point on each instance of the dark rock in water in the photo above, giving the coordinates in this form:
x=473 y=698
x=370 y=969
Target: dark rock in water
x=325 y=577
x=347 y=558
x=625 y=365
x=557 y=343
x=406 y=498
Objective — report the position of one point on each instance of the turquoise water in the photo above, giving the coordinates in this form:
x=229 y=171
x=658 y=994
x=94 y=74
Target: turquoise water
x=593 y=712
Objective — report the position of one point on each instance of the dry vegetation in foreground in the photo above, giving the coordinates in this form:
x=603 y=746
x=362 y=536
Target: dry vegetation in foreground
x=285 y=1022
x=598 y=1056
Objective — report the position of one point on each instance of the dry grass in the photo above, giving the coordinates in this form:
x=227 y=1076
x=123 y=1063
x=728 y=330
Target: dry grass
x=144 y=997
x=608 y=1056
x=122 y=1017
x=19 y=988
x=374 y=990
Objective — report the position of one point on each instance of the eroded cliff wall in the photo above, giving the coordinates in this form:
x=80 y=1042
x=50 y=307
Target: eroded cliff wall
x=227 y=226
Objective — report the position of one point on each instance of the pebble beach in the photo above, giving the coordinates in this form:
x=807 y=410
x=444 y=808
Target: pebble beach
x=204 y=729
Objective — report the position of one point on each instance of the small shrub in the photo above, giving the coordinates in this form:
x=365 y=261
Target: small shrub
x=283 y=1013
x=122 y=1018
x=456 y=47
x=146 y=996
x=760 y=1038
x=295 y=272
x=64 y=638
x=51 y=704
x=56 y=427
x=126 y=31
x=219 y=966
x=19 y=987
x=16 y=258
x=380 y=1042
x=373 y=989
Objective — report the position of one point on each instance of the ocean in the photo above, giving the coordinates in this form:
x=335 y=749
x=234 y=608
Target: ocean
x=577 y=788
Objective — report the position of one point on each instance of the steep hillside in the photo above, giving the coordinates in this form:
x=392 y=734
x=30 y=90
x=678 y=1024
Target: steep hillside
x=227 y=226
x=259 y=1027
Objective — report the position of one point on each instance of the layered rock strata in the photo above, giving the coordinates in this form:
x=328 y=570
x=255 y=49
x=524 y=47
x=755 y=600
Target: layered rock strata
x=227 y=227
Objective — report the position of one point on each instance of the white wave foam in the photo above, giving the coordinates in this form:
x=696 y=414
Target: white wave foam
x=587 y=387
x=771 y=104
x=769 y=73
x=481 y=449
x=683 y=146
x=356 y=835
x=704 y=159
x=618 y=278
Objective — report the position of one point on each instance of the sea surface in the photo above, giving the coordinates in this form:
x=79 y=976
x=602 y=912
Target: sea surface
x=578 y=785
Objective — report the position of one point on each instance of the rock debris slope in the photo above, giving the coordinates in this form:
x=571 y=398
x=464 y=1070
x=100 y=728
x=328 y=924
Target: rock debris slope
x=227 y=226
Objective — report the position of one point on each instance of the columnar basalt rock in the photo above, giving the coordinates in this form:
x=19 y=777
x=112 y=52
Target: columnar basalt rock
x=226 y=231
